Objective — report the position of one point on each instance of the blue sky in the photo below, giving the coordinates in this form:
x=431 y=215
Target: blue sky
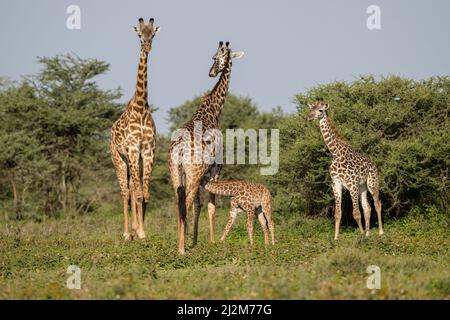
x=289 y=45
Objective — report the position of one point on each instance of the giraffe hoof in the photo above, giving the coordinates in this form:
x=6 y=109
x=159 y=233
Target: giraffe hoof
x=127 y=237
x=367 y=233
x=140 y=234
x=381 y=232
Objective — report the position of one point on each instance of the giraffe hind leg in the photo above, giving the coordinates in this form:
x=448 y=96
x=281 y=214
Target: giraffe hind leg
x=264 y=226
x=267 y=213
x=374 y=189
x=366 y=208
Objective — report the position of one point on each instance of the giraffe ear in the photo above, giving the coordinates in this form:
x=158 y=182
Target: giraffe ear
x=310 y=105
x=135 y=29
x=325 y=106
x=157 y=29
x=237 y=55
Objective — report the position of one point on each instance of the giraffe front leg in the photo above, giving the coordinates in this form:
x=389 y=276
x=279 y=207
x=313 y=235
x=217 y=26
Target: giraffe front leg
x=197 y=208
x=337 y=191
x=193 y=184
x=134 y=223
x=234 y=210
x=212 y=216
x=148 y=152
x=250 y=216
x=122 y=175
x=133 y=157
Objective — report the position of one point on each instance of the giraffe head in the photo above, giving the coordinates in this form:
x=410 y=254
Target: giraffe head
x=146 y=33
x=222 y=58
x=317 y=110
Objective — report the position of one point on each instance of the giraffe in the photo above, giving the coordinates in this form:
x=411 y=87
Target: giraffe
x=250 y=197
x=133 y=141
x=186 y=176
x=349 y=169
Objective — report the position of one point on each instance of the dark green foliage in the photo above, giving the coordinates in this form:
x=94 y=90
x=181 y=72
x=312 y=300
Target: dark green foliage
x=403 y=125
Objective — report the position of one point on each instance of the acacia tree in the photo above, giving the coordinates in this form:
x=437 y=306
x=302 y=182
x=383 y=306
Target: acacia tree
x=59 y=119
x=23 y=166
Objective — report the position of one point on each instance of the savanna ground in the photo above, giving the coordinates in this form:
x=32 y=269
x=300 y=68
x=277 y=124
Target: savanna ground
x=305 y=263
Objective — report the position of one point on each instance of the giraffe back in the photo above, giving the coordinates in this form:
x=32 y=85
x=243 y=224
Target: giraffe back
x=253 y=192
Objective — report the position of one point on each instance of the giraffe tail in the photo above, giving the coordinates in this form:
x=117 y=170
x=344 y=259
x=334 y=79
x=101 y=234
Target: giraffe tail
x=181 y=194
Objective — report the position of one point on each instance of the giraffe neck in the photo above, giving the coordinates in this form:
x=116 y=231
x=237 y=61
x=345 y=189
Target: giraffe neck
x=333 y=140
x=140 y=95
x=216 y=98
x=222 y=188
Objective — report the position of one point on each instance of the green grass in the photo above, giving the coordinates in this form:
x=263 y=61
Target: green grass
x=304 y=264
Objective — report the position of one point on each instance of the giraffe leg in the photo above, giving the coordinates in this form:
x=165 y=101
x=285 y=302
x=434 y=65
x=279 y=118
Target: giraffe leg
x=147 y=168
x=178 y=184
x=212 y=216
x=122 y=175
x=133 y=156
x=197 y=206
x=250 y=216
x=337 y=191
x=263 y=223
x=134 y=223
x=366 y=209
x=234 y=210
x=267 y=212
x=214 y=172
x=191 y=192
x=354 y=194
x=373 y=186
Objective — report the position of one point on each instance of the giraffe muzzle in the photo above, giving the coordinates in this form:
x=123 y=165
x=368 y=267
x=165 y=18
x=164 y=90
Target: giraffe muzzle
x=212 y=73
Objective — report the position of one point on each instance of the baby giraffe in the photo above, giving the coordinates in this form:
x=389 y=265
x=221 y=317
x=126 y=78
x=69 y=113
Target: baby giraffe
x=250 y=197
x=349 y=169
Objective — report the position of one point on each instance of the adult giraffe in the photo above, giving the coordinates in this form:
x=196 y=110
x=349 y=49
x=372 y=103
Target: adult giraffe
x=133 y=141
x=349 y=169
x=187 y=172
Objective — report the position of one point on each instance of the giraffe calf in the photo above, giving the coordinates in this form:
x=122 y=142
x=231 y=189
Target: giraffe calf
x=250 y=197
